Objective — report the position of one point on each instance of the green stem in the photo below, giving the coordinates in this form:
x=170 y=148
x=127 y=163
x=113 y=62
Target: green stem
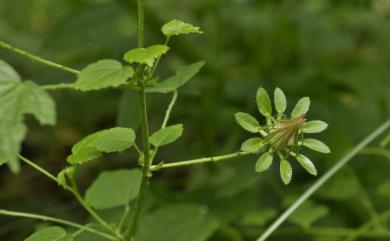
x=200 y=160
x=8 y=46
x=159 y=58
x=322 y=180
x=55 y=220
x=367 y=226
x=58 y=86
x=38 y=168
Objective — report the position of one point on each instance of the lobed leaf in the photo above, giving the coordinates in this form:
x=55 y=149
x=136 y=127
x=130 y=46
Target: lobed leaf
x=285 y=171
x=252 y=144
x=263 y=102
x=102 y=74
x=166 y=135
x=105 y=141
x=280 y=101
x=145 y=55
x=177 y=27
x=48 y=234
x=182 y=76
x=316 y=145
x=7 y=73
x=301 y=108
x=307 y=164
x=314 y=126
x=264 y=162
x=247 y=122
x=113 y=188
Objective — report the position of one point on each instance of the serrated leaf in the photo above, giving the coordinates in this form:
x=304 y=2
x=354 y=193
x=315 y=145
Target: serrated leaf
x=280 y=101
x=285 y=171
x=264 y=162
x=182 y=76
x=247 y=122
x=252 y=144
x=314 y=126
x=102 y=74
x=177 y=27
x=301 y=108
x=263 y=102
x=105 y=141
x=307 y=164
x=190 y=222
x=113 y=188
x=48 y=234
x=308 y=213
x=145 y=55
x=166 y=135
x=316 y=145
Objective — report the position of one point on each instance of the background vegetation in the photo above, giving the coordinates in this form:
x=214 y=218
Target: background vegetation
x=336 y=52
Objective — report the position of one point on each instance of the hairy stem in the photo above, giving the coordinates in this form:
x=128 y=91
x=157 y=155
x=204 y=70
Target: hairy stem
x=31 y=56
x=55 y=220
x=200 y=160
x=323 y=179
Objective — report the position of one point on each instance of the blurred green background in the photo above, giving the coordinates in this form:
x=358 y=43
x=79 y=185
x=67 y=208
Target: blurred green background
x=336 y=52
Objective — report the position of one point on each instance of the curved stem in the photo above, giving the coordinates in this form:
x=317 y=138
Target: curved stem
x=169 y=109
x=8 y=46
x=55 y=220
x=200 y=160
x=322 y=180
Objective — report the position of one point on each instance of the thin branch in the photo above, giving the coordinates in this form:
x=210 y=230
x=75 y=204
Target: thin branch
x=31 y=56
x=323 y=180
x=58 y=86
x=55 y=220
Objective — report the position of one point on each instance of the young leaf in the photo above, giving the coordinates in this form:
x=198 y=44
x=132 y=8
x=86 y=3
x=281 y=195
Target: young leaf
x=166 y=135
x=182 y=76
x=177 y=27
x=252 y=144
x=102 y=74
x=48 y=234
x=145 y=55
x=263 y=102
x=314 y=126
x=285 y=171
x=247 y=122
x=113 y=188
x=280 y=101
x=307 y=164
x=302 y=107
x=264 y=162
x=316 y=145
x=105 y=141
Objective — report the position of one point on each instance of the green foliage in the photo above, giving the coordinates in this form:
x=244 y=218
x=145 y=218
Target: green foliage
x=177 y=27
x=145 y=55
x=105 y=141
x=263 y=102
x=264 y=162
x=308 y=213
x=301 y=108
x=103 y=74
x=166 y=135
x=252 y=144
x=190 y=222
x=280 y=101
x=247 y=122
x=316 y=145
x=314 y=126
x=182 y=76
x=113 y=188
x=285 y=171
x=307 y=164
x=49 y=234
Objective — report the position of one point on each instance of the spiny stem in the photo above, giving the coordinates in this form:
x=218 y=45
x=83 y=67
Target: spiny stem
x=200 y=160
x=323 y=179
x=55 y=220
x=8 y=46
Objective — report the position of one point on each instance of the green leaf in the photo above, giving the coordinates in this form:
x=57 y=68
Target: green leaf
x=166 y=135
x=264 y=162
x=177 y=223
x=145 y=55
x=102 y=74
x=308 y=213
x=48 y=234
x=314 y=126
x=105 y=141
x=247 y=122
x=259 y=218
x=307 y=164
x=263 y=102
x=285 y=171
x=384 y=189
x=182 y=76
x=177 y=27
x=113 y=188
x=316 y=145
x=11 y=137
x=252 y=144
x=8 y=73
x=280 y=101
x=302 y=107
